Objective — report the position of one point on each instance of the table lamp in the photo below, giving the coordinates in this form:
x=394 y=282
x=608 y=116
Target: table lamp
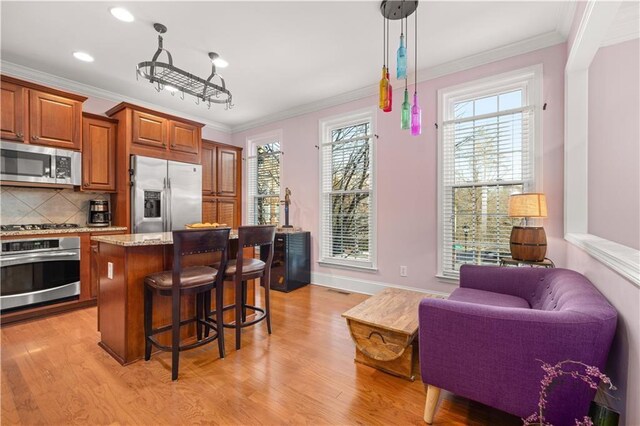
x=528 y=243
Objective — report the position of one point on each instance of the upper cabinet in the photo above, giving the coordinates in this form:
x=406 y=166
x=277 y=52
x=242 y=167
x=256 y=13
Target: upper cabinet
x=221 y=183
x=40 y=115
x=14 y=111
x=55 y=120
x=220 y=169
x=98 y=153
x=149 y=130
x=227 y=172
x=184 y=137
x=159 y=135
x=209 y=169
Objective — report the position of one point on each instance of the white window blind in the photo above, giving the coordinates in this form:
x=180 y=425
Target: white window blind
x=347 y=235
x=487 y=154
x=263 y=175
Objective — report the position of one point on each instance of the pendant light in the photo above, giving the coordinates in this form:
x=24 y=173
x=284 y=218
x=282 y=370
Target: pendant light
x=389 y=104
x=384 y=81
x=401 y=61
x=416 y=112
x=405 y=113
x=398 y=9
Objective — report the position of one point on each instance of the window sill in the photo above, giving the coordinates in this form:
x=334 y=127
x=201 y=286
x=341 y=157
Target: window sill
x=330 y=264
x=447 y=279
x=622 y=259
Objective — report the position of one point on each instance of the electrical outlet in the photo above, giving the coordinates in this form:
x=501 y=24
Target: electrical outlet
x=110 y=270
x=403 y=271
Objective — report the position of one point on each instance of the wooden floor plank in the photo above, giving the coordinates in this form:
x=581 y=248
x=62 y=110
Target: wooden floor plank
x=53 y=372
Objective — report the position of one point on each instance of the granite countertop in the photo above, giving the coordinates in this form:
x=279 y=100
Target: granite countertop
x=63 y=231
x=148 y=239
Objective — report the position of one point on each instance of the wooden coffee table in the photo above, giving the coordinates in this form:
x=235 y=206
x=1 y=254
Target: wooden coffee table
x=384 y=328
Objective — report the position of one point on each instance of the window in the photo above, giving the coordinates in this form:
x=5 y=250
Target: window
x=347 y=234
x=487 y=151
x=263 y=176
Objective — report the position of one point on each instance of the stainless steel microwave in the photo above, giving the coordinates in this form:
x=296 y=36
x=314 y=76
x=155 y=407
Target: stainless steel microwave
x=21 y=162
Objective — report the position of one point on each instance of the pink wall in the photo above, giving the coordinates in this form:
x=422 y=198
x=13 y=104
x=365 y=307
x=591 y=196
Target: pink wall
x=406 y=174
x=614 y=148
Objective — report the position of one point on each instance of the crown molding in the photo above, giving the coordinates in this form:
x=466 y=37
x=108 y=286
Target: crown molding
x=625 y=26
x=47 y=79
x=518 y=48
x=568 y=11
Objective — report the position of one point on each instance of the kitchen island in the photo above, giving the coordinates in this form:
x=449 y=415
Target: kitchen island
x=123 y=263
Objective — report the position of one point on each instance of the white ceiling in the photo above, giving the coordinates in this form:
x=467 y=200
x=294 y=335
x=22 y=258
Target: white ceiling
x=282 y=55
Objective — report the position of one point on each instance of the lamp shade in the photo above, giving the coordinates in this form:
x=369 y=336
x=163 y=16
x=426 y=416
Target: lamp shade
x=528 y=205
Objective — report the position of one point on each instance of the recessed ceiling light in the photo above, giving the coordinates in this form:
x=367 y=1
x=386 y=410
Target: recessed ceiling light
x=82 y=56
x=122 y=14
x=171 y=88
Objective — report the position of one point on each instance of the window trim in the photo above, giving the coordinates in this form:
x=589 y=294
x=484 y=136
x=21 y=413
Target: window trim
x=251 y=143
x=325 y=125
x=530 y=79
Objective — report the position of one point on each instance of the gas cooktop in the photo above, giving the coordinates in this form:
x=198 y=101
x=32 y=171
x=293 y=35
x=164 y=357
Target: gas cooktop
x=37 y=226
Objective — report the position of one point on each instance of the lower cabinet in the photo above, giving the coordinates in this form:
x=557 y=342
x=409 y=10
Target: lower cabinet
x=220 y=210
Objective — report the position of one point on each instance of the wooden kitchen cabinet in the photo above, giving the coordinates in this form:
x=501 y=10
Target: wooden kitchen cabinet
x=228 y=212
x=221 y=169
x=13 y=121
x=54 y=120
x=40 y=115
x=184 y=137
x=209 y=210
x=221 y=183
x=220 y=210
x=149 y=130
x=209 y=167
x=98 y=153
x=227 y=172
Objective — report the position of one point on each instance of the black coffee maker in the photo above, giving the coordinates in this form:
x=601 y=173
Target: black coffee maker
x=99 y=214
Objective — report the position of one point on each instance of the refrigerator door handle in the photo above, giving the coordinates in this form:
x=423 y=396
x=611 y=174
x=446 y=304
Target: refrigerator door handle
x=169 y=217
x=165 y=207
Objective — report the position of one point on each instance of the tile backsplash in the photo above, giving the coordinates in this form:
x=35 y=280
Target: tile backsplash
x=44 y=205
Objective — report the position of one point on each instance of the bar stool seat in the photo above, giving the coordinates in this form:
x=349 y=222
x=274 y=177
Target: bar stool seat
x=193 y=276
x=249 y=266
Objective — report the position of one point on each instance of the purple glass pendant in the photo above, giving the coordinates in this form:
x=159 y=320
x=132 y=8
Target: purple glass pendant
x=416 y=117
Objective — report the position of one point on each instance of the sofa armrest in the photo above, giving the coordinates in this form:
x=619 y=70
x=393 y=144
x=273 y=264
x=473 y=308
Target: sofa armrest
x=490 y=354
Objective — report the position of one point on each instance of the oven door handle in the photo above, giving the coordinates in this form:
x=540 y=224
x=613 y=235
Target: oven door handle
x=39 y=257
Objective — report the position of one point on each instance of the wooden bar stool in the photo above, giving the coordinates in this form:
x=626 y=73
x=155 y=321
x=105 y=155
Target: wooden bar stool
x=242 y=269
x=192 y=280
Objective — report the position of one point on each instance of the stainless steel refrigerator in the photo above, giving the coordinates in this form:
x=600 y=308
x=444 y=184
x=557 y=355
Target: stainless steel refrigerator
x=165 y=195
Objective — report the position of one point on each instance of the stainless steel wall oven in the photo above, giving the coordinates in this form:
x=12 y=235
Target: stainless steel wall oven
x=41 y=270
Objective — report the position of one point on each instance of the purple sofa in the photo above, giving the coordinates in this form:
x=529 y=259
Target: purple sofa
x=483 y=342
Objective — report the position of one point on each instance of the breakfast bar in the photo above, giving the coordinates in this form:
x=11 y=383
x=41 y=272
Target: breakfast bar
x=123 y=263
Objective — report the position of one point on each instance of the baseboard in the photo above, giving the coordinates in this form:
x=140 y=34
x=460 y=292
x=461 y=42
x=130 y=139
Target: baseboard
x=355 y=285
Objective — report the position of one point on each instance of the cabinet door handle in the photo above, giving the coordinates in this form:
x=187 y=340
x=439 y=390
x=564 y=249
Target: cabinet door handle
x=35 y=138
x=86 y=184
x=19 y=134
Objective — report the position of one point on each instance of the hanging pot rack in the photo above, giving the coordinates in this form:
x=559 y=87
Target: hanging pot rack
x=166 y=75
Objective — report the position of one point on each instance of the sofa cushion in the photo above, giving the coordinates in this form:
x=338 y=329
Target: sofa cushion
x=481 y=297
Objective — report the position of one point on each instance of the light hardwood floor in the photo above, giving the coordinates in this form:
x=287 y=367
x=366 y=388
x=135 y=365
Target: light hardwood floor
x=53 y=372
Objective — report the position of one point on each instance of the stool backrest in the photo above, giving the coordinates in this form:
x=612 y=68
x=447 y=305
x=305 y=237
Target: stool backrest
x=253 y=236
x=197 y=241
